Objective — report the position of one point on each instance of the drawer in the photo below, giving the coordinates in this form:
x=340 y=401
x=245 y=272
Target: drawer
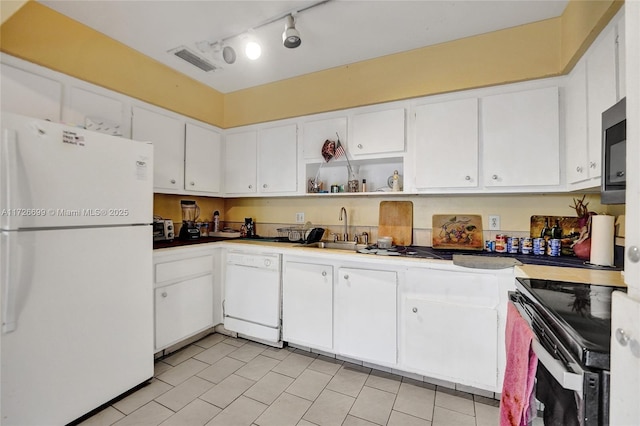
x=183 y=268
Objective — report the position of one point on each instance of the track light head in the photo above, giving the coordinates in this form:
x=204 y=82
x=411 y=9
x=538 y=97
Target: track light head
x=291 y=37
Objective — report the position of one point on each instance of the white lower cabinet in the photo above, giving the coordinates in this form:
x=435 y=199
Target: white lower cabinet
x=365 y=315
x=307 y=304
x=449 y=324
x=184 y=298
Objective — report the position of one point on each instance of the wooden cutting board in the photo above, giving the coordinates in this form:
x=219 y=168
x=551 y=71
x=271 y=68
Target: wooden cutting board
x=457 y=232
x=396 y=221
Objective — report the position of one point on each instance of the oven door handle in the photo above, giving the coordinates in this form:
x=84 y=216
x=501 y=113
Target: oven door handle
x=566 y=379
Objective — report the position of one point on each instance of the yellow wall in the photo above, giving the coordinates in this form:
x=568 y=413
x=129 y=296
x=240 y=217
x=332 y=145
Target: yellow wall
x=515 y=210
x=40 y=35
x=168 y=207
x=541 y=49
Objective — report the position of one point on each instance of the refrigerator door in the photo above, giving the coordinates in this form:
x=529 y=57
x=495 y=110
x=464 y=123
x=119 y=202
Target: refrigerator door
x=82 y=306
x=53 y=175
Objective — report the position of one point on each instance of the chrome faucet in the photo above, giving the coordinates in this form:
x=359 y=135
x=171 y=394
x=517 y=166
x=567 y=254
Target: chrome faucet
x=345 y=236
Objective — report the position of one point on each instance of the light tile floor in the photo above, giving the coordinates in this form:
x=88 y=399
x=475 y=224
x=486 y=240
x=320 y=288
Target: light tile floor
x=224 y=381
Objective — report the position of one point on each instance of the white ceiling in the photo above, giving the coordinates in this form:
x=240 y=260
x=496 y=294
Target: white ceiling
x=337 y=33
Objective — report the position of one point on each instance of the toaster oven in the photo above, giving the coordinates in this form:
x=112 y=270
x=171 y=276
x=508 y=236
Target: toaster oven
x=163 y=230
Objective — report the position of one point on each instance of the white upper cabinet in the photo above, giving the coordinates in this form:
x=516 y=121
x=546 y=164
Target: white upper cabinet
x=29 y=94
x=377 y=132
x=601 y=92
x=521 y=139
x=203 y=148
x=315 y=133
x=167 y=135
x=96 y=112
x=576 y=142
x=278 y=159
x=240 y=163
x=447 y=144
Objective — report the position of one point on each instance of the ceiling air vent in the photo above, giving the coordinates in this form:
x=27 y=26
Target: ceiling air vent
x=185 y=54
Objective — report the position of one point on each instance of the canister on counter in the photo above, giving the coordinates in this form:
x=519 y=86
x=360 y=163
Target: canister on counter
x=554 y=247
x=490 y=246
x=501 y=243
x=526 y=245
x=538 y=246
x=513 y=244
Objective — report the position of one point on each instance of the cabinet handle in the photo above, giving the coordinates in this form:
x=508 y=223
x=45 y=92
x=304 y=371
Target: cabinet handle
x=494 y=177
x=467 y=177
x=250 y=186
x=415 y=310
x=633 y=254
x=173 y=181
x=164 y=294
x=579 y=169
x=324 y=273
x=346 y=277
x=265 y=185
x=192 y=183
x=359 y=146
x=592 y=164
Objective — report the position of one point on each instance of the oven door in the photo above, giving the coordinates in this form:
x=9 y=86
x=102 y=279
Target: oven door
x=567 y=394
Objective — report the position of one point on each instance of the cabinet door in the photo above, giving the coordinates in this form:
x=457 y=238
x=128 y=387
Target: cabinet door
x=167 y=135
x=307 y=304
x=240 y=163
x=202 y=159
x=521 y=136
x=97 y=112
x=29 y=94
x=576 y=125
x=377 y=132
x=450 y=341
x=447 y=144
x=315 y=133
x=365 y=315
x=183 y=309
x=278 y=159
x=601 y=92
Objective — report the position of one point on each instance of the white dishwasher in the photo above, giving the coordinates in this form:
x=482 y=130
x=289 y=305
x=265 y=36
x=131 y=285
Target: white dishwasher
x=252 y=300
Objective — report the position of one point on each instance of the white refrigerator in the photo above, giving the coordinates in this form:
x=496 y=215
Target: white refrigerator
x=75 y=267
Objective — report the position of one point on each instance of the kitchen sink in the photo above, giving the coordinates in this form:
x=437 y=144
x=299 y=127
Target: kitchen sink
x=337 y=245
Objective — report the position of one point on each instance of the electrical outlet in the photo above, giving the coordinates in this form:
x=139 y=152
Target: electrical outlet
x=299 y=217
x=494 y=222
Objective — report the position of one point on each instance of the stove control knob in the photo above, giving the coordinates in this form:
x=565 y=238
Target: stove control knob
x=622 y=337
x=633 y=254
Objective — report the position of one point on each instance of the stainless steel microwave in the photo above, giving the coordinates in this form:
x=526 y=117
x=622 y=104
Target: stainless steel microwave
x=614 y=154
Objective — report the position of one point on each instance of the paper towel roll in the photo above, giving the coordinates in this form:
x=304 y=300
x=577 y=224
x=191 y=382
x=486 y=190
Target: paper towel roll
x=602 y=237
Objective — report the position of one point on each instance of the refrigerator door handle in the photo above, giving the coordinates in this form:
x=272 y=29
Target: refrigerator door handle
x=9 y=173
x=9 y=284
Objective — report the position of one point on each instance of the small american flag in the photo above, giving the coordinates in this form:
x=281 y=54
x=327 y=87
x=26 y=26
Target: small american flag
x=339 y=152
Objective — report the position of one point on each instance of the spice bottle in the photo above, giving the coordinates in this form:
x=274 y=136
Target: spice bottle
x=364 y=185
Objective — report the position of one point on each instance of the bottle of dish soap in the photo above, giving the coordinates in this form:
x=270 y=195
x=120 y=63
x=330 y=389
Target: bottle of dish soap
x=395 y=186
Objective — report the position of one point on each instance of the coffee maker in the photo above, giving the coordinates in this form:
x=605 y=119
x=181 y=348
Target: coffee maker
x=190 y=212
x=248 y=229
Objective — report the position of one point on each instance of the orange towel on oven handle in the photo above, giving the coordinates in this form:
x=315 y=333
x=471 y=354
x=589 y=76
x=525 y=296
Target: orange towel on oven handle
x=520 y=371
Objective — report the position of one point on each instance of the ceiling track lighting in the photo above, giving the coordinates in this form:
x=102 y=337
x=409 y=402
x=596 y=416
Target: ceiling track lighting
x=290 y=37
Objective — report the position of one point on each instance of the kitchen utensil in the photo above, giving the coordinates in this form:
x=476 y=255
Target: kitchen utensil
x=396 y=221
x=385 y=242
x=457 y=232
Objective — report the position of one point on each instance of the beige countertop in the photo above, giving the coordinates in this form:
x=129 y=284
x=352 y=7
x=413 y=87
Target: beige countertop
x=589 y=276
